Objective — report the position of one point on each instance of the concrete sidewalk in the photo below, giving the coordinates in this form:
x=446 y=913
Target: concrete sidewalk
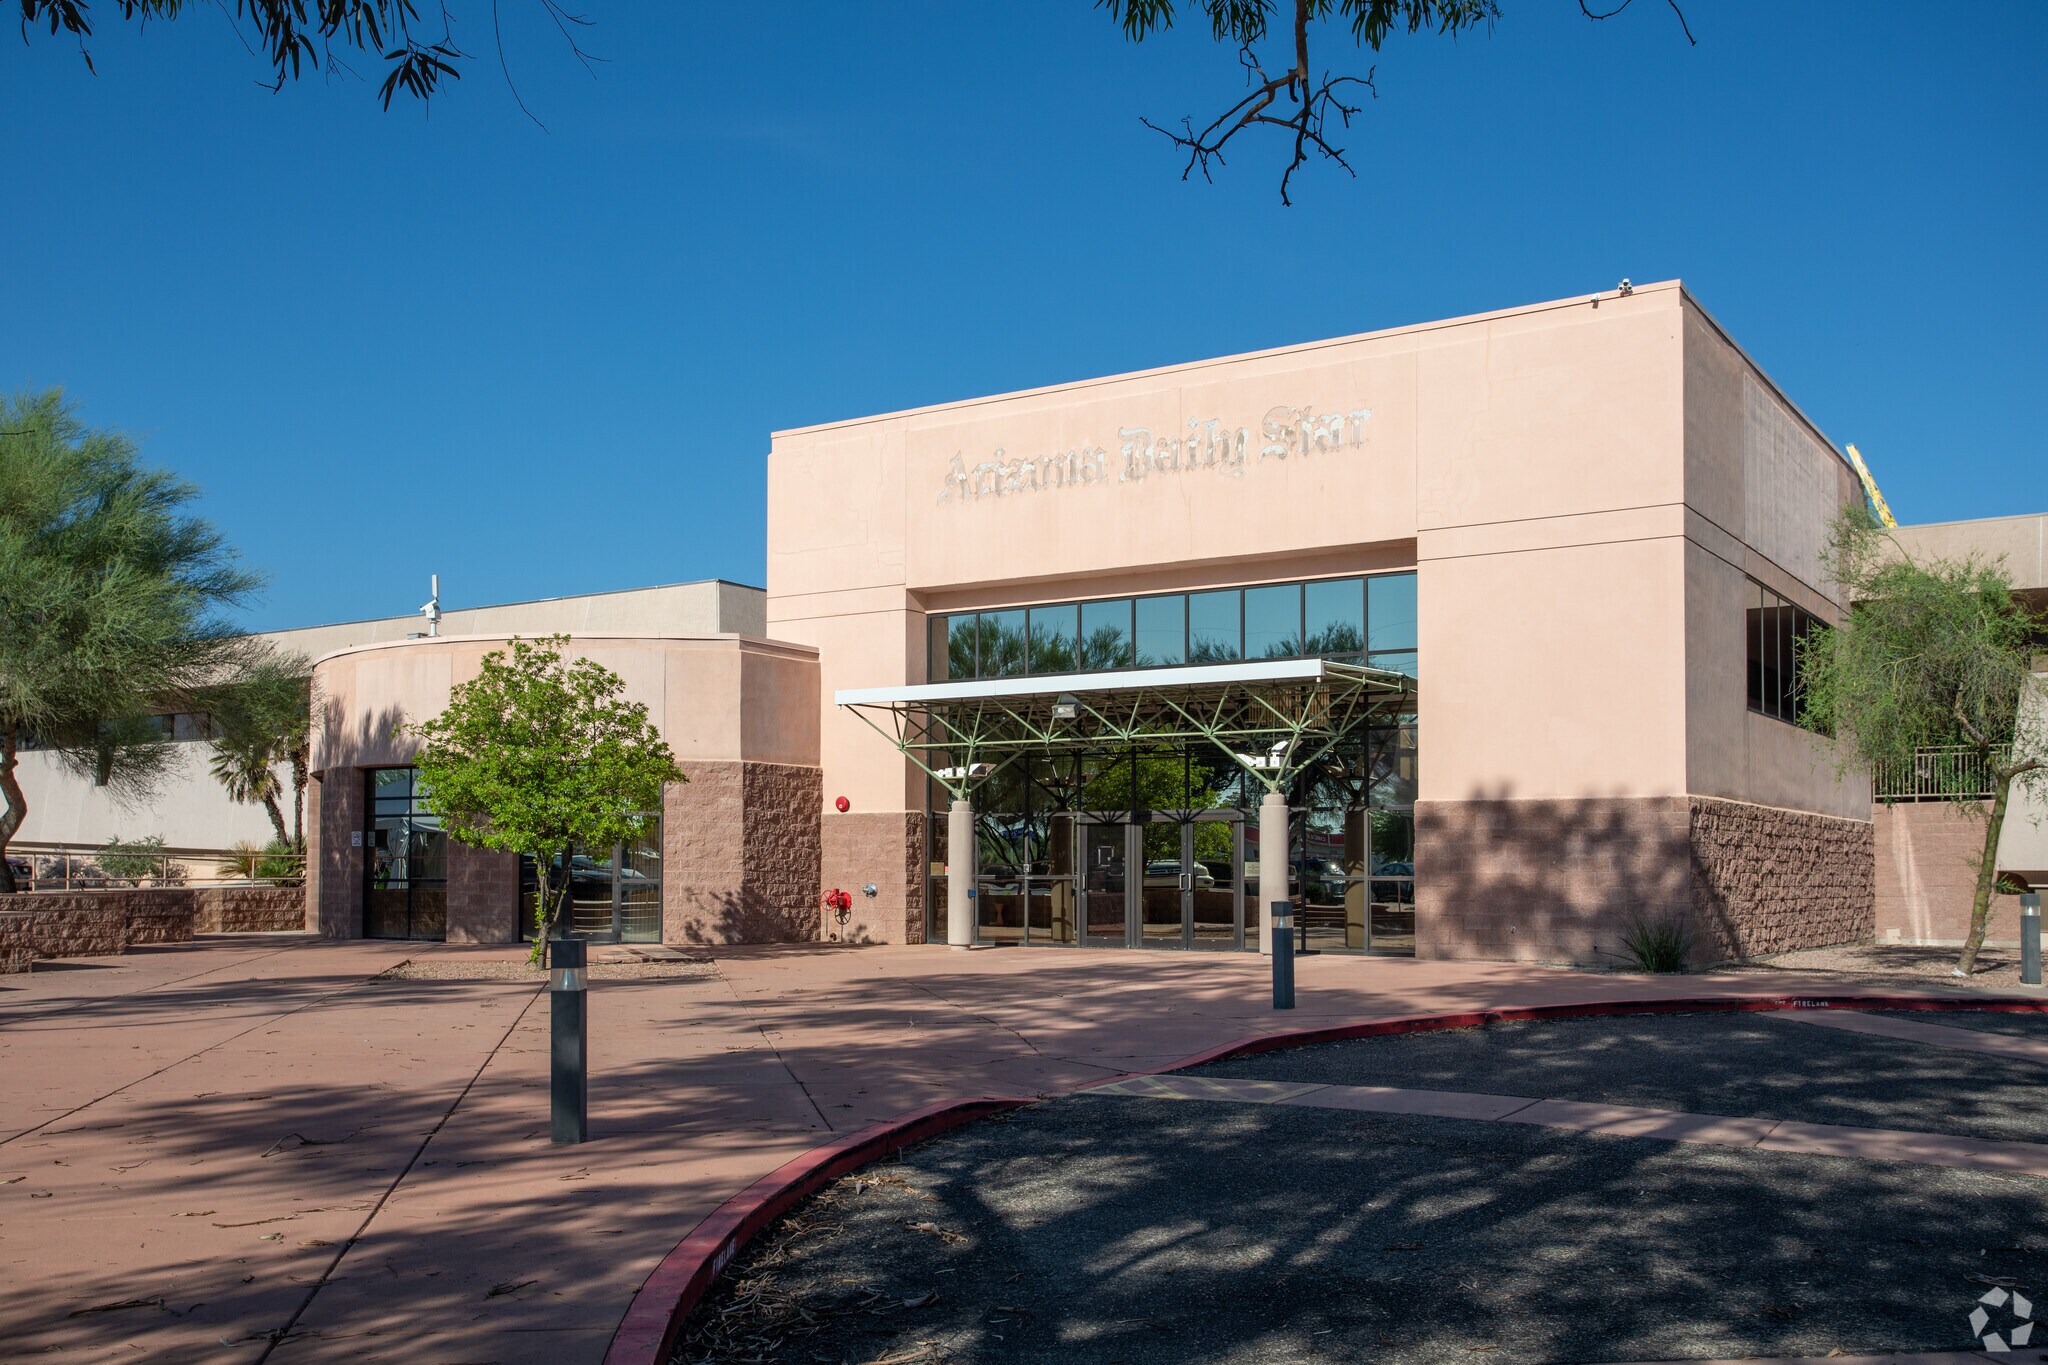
x=206 y=1146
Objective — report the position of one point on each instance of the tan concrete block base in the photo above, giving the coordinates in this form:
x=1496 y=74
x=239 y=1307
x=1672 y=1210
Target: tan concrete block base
x=884 y=849
x=249 y=909
x=1767 y=880
x=1927 y=855
x=1565 y=881
x=740 y=855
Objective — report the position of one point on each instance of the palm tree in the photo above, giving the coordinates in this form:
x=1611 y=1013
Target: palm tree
x=262 y=720
x=243 y=762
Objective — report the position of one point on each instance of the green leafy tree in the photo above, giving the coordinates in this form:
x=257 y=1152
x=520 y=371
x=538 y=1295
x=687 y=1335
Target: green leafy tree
x=130 y=860
x=110 y=594
x=1308 y=110
x=540 y=754
x=1932 y=653
x=261 y=722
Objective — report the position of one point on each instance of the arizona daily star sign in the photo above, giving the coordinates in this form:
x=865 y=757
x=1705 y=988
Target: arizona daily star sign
x=1284 y=431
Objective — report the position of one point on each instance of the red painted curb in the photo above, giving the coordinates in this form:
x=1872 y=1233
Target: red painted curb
x=648 y=1334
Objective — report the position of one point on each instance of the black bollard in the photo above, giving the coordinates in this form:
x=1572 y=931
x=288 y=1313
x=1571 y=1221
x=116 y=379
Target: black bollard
x=1282 y=913
x=2030 y=939
x=568 y=1039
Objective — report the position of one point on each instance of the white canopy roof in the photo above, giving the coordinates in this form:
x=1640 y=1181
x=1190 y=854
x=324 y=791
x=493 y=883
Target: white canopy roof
x=1055 y=684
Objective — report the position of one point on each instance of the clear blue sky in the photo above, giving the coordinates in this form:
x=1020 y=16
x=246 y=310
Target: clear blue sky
x=548 y=362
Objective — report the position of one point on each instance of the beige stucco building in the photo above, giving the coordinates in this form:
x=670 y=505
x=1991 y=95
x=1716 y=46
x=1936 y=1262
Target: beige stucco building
x=1599 y=499
x=1480 y=632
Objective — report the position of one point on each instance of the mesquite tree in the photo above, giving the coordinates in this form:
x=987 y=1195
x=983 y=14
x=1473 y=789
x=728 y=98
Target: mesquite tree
x=1932 y=653
x=109 y=600
x=540 y=754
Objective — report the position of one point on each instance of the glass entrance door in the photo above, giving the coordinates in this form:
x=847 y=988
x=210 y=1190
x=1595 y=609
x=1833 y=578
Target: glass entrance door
x=1191 y=894
x=1167 y=882
x=1105 y=883
x=1162 y=883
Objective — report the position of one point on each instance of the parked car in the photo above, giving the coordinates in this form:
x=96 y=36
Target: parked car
x=1320 y=879
x=1166 y=874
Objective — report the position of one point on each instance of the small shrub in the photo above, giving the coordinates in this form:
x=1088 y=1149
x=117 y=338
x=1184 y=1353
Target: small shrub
x=274 y=862
x=1660 y=947
x=130 y=860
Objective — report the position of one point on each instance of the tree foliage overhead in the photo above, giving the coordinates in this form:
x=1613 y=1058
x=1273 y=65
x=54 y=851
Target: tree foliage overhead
x=1933 y=653
x=539 y=754
x=110 y=601
x=297 y=36
x=1308 y=108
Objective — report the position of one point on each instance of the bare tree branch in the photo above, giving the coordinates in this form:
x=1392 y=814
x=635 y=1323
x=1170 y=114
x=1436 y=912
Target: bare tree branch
x=1310 y=110
x=1585 y=8
x=1310 y=103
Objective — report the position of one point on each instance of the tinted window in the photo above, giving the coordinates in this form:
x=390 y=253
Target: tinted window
x=1335 y=611
x=1002 y=644
x=960 y=645
x=1390 y=611
x=1052 y=638
x=1106 y=635
x=937 y=638
x=1272 y=622
x=1162 y=630
x=1214 y=623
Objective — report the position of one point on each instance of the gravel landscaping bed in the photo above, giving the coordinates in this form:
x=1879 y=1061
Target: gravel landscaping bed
x=1896 y=964
x=1104 y=1230
x=1743 y=1065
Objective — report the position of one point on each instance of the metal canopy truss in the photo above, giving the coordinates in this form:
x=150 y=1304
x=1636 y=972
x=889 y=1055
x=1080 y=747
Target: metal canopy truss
x=1274 y=719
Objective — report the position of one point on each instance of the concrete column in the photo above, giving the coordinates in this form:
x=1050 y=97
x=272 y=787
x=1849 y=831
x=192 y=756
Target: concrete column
x=960 y=873
x=1273 y=853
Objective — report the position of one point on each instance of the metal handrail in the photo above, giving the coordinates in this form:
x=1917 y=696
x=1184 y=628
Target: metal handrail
x=1944 y=772
x=68 y=869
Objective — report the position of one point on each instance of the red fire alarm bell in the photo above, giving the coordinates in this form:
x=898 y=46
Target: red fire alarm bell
x=842 y=805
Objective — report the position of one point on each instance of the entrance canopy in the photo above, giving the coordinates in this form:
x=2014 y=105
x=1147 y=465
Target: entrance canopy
x=1273 y=717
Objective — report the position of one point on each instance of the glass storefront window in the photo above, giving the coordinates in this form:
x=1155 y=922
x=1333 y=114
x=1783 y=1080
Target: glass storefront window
x=1371 y=618
x=1158 y=846
x=1162 y=632
x=405 y=894
x=1334 y=617
x=960 y=661
x=1054 y=632
x=1215 y=626
x=1272 y=622
x=1106 y=635
x=1390 y=612
x=614 y=894
x=1001 y=646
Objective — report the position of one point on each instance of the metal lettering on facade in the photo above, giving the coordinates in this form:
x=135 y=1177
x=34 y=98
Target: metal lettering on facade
x=1284 y=432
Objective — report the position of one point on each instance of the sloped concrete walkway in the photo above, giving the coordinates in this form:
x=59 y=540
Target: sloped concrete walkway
x=259 y=1149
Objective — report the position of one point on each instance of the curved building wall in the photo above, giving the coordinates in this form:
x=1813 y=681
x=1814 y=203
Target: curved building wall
x=739 y=853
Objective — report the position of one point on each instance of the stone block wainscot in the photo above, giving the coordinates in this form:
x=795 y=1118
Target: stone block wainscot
x=106 y=923
x=1565 y=881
